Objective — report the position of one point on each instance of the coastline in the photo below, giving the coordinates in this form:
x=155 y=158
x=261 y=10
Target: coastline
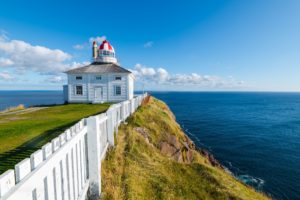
x=154 y=157
x=236 y=161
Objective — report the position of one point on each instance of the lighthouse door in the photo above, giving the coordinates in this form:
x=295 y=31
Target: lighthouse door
x=98 y=94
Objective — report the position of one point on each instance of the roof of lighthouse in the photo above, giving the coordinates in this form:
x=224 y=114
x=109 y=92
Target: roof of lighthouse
x=98 y=68
x=106 y=46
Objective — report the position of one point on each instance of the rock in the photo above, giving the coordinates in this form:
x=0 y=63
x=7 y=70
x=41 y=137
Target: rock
x=178 y=156
x=189 y=156
x=214 y=162
x=190 y=143
x=167 y=149
x=143 y=131
x=172 y=139
x=185 y=144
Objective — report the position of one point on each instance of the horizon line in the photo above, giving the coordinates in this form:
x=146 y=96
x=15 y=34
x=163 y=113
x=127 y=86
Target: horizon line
x=208 y=91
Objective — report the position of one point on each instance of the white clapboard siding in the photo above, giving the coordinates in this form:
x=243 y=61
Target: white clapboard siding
x=70 y=165
x=111 y=86
x=107 y=83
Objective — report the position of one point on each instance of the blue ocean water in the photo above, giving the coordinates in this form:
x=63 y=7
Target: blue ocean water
x=29 y=98
x=255 y=135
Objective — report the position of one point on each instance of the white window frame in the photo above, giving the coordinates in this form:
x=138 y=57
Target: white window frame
x=81 y=90
x=115 y=90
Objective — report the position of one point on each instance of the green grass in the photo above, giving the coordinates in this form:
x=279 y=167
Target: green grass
x=24 y=132
x=137 y=169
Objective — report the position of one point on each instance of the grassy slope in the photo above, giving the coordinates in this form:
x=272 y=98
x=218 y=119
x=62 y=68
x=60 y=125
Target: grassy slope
x=137 y=169
x=24 y=132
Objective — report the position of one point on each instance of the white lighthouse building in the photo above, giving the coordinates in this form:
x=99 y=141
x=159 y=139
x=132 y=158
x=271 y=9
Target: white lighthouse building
x=104 y=80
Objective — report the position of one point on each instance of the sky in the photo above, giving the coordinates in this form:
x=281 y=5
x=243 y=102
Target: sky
x=208 y=45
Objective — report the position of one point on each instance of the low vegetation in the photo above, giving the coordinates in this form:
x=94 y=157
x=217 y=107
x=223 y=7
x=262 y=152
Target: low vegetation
x=13 y=109
x=154 y=159
x=25 y=131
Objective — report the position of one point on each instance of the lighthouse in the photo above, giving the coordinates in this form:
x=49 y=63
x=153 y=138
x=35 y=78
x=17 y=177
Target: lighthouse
x=103 y=80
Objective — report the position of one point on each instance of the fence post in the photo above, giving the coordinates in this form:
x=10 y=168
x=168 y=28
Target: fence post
x=110 y=129
x=94 y=157
x=122 y=111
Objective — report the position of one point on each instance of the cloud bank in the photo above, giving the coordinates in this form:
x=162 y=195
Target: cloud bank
x=160 y=76
x=19 y=57
x=23 y=56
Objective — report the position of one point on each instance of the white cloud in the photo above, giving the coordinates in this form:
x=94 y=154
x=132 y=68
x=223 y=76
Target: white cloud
x=56 y=79
x=6 y=76
x=5 y=62
x=79 y=46
x=23 y=56
x=78 y=64
x=148 y=44
x=144 y=71
x=98 y=39
x=155 y=76
x=60 y=77
x=162 y=74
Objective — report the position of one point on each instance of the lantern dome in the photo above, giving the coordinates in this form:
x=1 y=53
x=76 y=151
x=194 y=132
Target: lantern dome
x=105 y=53
x=106 y=46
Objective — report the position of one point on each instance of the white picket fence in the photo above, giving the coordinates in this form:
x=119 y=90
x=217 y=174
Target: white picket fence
x=70 y=165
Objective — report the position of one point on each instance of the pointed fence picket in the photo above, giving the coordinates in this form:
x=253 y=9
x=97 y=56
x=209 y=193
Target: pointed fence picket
x=70 y=165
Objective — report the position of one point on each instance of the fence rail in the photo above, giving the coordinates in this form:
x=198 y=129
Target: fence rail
x=70 y=165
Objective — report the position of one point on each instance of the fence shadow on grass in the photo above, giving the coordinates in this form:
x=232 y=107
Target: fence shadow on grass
x=9 y=159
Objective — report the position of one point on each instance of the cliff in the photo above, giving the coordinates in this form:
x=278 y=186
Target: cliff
x=154 y=159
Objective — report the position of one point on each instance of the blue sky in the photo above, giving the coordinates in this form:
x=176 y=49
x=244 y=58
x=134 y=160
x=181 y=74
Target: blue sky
x=250 y=45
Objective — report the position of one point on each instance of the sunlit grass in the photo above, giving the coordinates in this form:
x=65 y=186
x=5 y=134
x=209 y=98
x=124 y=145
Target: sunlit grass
x=24 y=132
x=136 y=169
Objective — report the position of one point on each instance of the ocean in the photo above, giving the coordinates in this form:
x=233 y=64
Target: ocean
x=255 y=135
x=29 y=98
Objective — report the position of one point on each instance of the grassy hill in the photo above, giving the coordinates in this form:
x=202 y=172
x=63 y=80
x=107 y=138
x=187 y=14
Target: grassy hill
x=154 y=159
x=24 y=131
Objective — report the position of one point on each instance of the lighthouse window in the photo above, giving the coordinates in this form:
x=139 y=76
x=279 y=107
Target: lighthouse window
x=78 y=90
x=117 y=90
x=118 y=78
x=78 y=77
x=98 y=77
